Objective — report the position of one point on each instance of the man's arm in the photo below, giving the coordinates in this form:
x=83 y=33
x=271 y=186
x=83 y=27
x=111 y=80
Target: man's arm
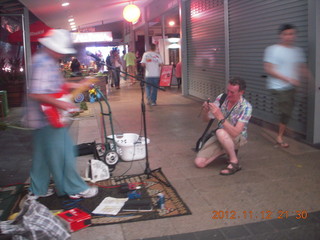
x=45 y=98
x=271 y=70
x=205 y=111
x=305 y=72
x=233 y=131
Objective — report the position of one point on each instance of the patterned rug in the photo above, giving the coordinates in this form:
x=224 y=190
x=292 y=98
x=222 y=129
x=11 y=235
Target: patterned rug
x=151 y=186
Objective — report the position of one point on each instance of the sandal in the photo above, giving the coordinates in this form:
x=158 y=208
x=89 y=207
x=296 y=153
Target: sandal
x=235 y=167
x=282 y=144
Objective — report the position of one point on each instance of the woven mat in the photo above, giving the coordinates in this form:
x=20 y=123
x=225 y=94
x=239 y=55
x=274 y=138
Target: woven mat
x=151 y=186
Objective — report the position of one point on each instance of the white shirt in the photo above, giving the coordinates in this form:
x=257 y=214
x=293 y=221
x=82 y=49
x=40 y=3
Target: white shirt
x=152 y=60
x=286 y=61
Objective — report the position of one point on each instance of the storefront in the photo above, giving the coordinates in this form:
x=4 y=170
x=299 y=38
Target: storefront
x=224 y=38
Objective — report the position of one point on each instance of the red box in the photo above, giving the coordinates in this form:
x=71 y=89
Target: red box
x=76 y=219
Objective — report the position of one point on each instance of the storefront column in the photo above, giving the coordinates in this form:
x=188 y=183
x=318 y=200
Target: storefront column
x=146 y=37
x=183 y=46
x=313 y=118
x=27 y=45
x=163 y=30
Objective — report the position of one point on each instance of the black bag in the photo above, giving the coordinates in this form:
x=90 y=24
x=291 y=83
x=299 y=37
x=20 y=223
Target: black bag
x=88 y=149
x=205 y=136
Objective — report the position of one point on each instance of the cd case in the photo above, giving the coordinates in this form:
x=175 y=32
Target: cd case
x=138 y=205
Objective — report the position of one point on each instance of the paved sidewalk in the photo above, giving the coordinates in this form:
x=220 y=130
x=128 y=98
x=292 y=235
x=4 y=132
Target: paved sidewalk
x=273 y=180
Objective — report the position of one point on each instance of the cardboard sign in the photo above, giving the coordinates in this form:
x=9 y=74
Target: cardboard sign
x=166 y=76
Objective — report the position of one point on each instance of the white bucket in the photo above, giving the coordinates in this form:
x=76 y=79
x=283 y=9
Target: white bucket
x=130 y=146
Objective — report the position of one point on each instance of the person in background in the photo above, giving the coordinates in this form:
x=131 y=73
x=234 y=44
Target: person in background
x=152 y=62
x=233 y=118
x=75 y=67
x=285 y=65
x=53 y=149
x=139 y=67
x=130 y=59
x=123 y=65
x=109 y=68
x=178 y=73
x=116 y=67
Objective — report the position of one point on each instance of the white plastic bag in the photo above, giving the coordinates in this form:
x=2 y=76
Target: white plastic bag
x=97 y=171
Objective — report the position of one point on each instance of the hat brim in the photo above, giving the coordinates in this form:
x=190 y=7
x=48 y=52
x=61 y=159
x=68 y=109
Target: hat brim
x=48 y=43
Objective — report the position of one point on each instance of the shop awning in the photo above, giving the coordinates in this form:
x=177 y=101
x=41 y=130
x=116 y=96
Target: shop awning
x=37 y=30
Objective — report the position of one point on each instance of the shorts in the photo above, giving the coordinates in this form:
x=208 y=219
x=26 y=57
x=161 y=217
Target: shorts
x=213 y=146
x=285 y=100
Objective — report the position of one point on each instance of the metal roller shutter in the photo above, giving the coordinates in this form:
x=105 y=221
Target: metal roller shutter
x=252 y=27
x=206 y=48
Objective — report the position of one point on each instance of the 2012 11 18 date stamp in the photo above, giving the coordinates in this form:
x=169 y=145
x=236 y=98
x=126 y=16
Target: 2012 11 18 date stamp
x=266 y=214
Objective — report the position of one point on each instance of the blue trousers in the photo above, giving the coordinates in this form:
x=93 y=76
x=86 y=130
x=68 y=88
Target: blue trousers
x=54 y=156
x=151 y=91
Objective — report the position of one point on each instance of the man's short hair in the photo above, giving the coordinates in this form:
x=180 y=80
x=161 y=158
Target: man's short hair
x=238 y=81
x=153 y=46
x=286 y=26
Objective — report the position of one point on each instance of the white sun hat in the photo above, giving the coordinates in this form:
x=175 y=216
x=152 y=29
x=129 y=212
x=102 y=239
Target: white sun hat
x=58 y=40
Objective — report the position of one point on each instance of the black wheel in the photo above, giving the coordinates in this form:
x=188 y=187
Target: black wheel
x=111 y=158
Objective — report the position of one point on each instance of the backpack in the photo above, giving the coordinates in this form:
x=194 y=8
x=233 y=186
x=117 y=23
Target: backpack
x=205 y=136
x=108 y=61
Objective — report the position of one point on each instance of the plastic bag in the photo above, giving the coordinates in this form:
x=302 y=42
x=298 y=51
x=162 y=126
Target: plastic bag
x=35 y=222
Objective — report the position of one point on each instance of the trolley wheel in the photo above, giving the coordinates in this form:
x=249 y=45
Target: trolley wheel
x=111 y=158
x=101 y=149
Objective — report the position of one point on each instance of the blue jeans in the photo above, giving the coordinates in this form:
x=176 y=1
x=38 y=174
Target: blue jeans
x=150 y=90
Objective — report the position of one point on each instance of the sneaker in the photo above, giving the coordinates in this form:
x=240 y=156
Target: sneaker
x=49 y=193
x=149 y=102
x=90 y=192
x=153 y=104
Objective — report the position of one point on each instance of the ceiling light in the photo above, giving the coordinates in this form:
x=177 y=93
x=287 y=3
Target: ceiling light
x=171 y=23
x=131 y=13
x=72 y=23
x=173 y=40
x=174 y=45
x=71 y=19
x=65 y=4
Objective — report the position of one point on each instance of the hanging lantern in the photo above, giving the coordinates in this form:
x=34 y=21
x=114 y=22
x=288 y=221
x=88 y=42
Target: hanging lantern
x=131 y=13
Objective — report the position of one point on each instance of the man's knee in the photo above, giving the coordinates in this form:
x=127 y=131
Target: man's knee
x=221 y=133
x=200 y=162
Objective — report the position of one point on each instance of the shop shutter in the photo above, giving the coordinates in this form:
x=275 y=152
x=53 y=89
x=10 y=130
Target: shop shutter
x=252 y=27
x=206 y=48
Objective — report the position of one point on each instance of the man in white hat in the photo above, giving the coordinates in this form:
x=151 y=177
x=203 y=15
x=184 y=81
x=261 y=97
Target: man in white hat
x=53 y=153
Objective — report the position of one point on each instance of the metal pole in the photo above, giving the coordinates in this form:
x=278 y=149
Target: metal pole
x=27 y=46
x=163 y=37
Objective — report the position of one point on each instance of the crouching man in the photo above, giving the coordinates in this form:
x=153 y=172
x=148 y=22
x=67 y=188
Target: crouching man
x=233 y=118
